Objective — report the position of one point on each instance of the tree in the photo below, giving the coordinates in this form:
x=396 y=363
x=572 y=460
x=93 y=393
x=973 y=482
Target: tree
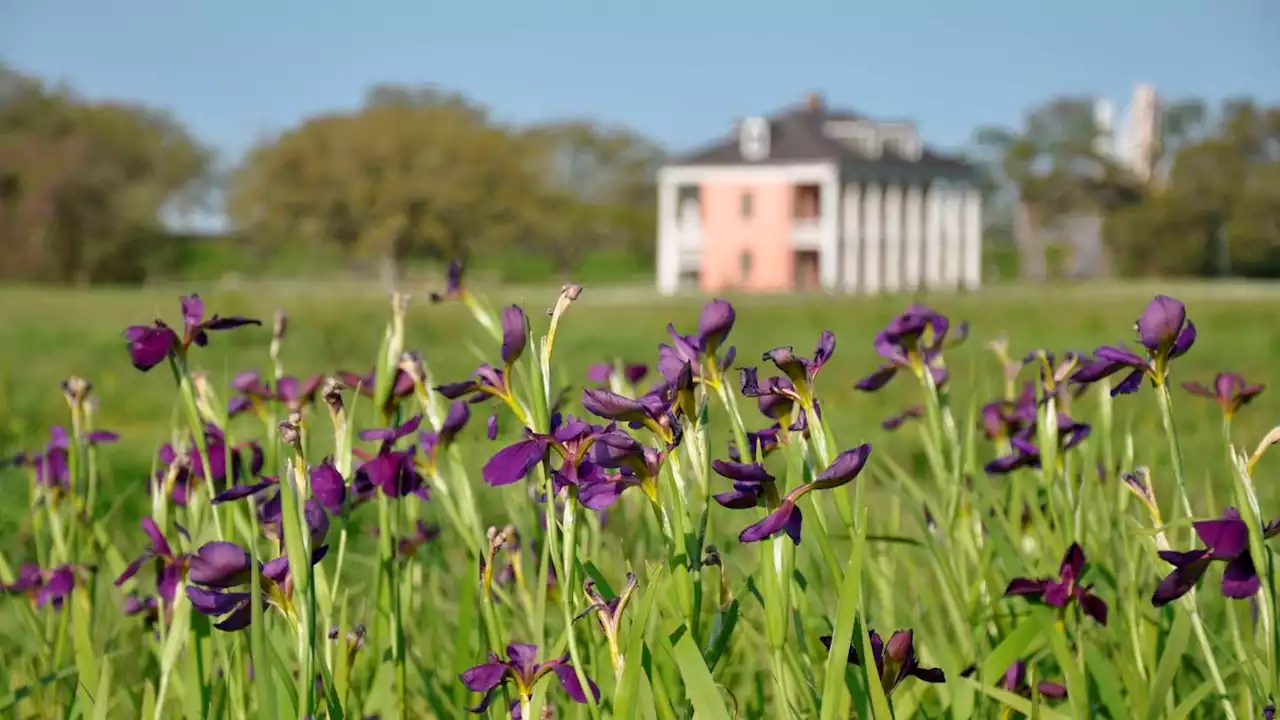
x=1216 y=209
x=597 y=189
x=412 y=172
x=84 y=186
x=1053 y=168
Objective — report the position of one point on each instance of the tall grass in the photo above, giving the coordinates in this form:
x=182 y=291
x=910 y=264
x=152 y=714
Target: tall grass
x=716 y=545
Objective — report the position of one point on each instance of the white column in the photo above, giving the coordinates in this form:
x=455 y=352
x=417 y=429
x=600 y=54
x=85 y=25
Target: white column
x=829 y=232
x=972 y=239
x=852 y=237
x=668 y=237
x=871 y=239
x=953 y=225
x=933 y=236
x=893 y=238
x=912 y=237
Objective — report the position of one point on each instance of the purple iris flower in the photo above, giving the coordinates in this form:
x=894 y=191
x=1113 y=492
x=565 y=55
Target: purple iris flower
x=421 y=535
x=1163 y=330
x=453 y=284
x=401 y=388
x=217 y=573
x=1004 y=419
x=785 y=516
x=178 y=473
x=1026 y=454
x=1225 y=539
x=1230 y=390
x=761 y=442
x=394 y=472
x=1061 y=591
x=912 y=413
x=714 y=324
x=799 y=372
x=291 y=392
x=602 y=373
x=150 y=345
x=522 y=670
x=913 y=341
x=570 y=438
x=52 y=467
x=1056 y=373
x=1015 y=681
x=170 y=566
x=894 y=663
x=44 y=587
x=435 y=442
x=659 y=410
x=636 y=465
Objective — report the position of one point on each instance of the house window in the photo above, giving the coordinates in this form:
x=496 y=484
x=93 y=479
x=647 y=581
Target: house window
x=744 y=265
x=747 y=208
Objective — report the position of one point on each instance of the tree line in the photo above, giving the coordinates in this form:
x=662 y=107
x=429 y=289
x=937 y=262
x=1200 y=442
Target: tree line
x=1210 y=207
x=89 y=189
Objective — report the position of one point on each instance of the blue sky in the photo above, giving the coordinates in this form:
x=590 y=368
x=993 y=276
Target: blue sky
x=237 y=70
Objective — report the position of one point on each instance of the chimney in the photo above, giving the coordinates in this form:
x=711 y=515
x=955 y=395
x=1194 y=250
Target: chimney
x=813 y=102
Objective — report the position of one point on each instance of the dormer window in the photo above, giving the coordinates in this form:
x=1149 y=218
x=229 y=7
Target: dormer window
x=901 y=140
x=753 y=139
x=858 y=135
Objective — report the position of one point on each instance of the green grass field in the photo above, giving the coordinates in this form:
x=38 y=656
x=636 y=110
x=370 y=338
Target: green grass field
x=49 y=335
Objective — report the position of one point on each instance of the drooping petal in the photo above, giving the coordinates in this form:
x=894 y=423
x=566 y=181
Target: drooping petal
x=844 y=468
x=1185 y=340
x=1179 y=582
x=1026 y=587
x=775 y=522
x=877 y=379
x=742 y=472
x=219 y=564
x=737 y=499
x=568 y=678
x=328 y=486
x=1093 y=606
x=486 y=677
x=1239 y=579
x=149 y=346
x=612 y=406
x=512 y=463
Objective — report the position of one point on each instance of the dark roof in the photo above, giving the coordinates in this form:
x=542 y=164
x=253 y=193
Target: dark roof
x=796 y=135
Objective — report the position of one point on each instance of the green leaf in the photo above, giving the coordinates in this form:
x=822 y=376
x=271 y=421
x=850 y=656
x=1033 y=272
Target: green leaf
x=1077 y=689
x=726 y=621
x=1194 y=698
x=1013 y=647
x=699 y=686
x=833 y=685
x=1107 y=679
x=1170 y=660
x=102 y=704
x=627 y=693
x=82 y=641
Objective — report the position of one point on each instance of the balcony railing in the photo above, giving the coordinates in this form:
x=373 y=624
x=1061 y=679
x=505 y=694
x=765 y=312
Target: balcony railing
x=806 y=233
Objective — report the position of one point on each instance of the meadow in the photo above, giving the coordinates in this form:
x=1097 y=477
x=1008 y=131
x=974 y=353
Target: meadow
x=409 y=594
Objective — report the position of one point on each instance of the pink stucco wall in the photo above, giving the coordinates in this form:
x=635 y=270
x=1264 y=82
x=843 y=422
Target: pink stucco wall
x=765 y=236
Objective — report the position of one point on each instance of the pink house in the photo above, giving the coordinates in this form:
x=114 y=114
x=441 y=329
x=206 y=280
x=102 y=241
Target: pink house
x=813 y=198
